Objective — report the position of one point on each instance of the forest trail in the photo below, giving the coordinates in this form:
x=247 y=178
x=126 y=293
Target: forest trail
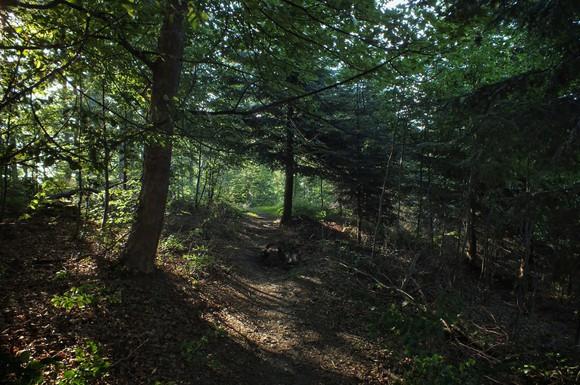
x=240 y=323
x=293 y=319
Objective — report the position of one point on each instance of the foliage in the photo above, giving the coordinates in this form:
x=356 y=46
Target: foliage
x=198 y=260
x=84 y=296
x=419 y=330
x=552 y=368
x=172 y=244
x=23 y=369
x=76 y=297
x=197 y=351
x=422 y=336
x=253 y=185
x=435 y=370
x=61 y=275
x=433 y=119
x=89 y=365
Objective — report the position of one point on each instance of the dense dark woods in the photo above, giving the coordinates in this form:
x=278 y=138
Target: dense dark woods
x=290 y=191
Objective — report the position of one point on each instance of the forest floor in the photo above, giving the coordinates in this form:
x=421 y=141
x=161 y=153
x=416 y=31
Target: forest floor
x=214 y=313
x=69 y=313
x=300 y=322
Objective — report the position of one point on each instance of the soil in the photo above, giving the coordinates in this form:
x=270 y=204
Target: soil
x=297 y=321
x=238 y=320
x=240 y=323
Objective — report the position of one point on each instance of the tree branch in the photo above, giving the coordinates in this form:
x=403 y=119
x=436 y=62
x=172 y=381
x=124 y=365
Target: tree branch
x=281 y=102
x=16 y=3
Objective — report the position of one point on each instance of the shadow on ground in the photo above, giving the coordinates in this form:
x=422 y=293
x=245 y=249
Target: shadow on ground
x=157 y=329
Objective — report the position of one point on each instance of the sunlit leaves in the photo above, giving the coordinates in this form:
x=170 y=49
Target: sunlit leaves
x=196 y=17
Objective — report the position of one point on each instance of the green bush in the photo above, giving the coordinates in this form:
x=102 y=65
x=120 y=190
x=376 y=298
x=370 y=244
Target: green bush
x=22 y=369
x=198 y=260
x=76 y=297
x=90 y=365
x=84 y=296
x=435 y=370
x=172 y=244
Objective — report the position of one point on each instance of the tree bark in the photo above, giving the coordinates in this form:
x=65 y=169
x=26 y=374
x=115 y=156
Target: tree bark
x=198 y=178
x=289 y=171
x=141 y=248
x=359 y=215
x=5 y=172
x=107 y=195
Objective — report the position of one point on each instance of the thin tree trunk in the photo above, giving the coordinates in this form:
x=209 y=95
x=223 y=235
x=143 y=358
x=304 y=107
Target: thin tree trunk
x=321 y=196
x=198 y=178
x=141 y=247
x=472 y=229
x=77 y=143
x=106 y=161
x=5 y=174
x=289 y=171
x=4 y=191
x=123 y=159
x=430 y=202
x=205 y=181
x=124 y=166
x=382 y=195
x=399 y=181
x=359 y=215
x=420 y=195
x=577 y=338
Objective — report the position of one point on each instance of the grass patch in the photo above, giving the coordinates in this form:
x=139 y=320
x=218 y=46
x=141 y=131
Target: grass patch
x=258 y=211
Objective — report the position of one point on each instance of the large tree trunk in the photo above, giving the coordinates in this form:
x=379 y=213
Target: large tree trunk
x=141 y=247
x=289 y=171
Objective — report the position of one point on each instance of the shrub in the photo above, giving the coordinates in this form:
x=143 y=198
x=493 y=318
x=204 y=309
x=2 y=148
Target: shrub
x=90 y=365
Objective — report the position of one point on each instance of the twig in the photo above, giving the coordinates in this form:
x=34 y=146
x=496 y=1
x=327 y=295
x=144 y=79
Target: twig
x=456 y=333
x=411 y=270
x=493 y=380
x=378 y=282
x=131 y=353
x=478 y=352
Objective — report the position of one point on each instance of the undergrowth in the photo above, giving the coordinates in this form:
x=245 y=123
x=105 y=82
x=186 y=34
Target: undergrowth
x=84 y=296
x=89 y=365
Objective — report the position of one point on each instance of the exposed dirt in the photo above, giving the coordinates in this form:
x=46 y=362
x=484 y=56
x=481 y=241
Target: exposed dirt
x=244 y=323
x=241 y=321
x=295 y=319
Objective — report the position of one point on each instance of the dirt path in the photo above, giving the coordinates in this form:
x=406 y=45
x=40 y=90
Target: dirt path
x=294 y=320
x=243 y=324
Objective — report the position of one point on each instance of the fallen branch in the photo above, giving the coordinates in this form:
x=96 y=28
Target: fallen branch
x=71 y=193
x=463 y=340
x=131 y=353
x=379 y=283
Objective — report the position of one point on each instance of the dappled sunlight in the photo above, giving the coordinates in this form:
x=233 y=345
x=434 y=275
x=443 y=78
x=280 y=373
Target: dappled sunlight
x=281 y=192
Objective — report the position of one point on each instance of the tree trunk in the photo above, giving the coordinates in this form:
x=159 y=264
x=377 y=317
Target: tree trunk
x=4 y=192
x=198 y=178
x=141 y=247
x=107 y=196
x=321 y=195
x=577 y=337
x=78 y=146
x=471 y=230
x=5 y=171
x=382 y=195
x=420 y=208
x=289 y=172
x=359 y=215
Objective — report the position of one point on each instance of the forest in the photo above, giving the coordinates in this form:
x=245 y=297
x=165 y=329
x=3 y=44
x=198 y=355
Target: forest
x=290 y=192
